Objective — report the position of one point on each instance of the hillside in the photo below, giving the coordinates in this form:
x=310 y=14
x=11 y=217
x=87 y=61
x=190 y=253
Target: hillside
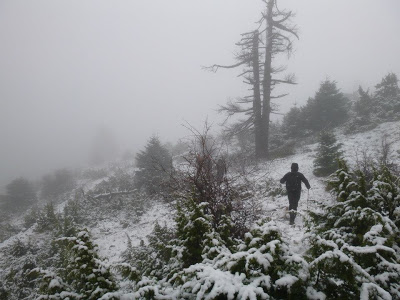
x=114 y=229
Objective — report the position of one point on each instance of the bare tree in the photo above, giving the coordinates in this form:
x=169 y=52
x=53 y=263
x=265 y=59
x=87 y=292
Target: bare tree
x=206 y=176
x=258 y=49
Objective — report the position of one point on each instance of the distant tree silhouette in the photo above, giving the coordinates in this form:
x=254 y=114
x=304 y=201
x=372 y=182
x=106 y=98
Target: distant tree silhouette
x=20 y=193
x=328 y=109
x=328 y=154
x=57 y=183
x=387 y=96
x=154 y=163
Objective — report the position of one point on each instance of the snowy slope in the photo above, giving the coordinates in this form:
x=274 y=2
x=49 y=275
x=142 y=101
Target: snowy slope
x=112 y=239
x=112 y=235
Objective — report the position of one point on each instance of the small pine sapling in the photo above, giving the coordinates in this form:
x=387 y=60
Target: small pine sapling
x=328 y=153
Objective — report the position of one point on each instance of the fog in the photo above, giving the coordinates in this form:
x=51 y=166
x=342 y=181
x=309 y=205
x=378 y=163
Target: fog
x=68 y=68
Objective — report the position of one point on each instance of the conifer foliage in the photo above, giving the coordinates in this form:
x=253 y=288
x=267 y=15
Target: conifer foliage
x=328 y=153
x=154 y=163
x=355 y=242
x=259 y=267
x=387 y=95
x=81 y=273
x=328 y=109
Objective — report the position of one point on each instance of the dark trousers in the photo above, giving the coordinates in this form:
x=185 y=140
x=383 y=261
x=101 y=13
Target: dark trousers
x=294 y=197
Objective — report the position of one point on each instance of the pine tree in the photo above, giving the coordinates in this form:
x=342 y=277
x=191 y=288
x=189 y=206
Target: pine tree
x=152 y=260
x=154 y=163
x=328 y=153
x=260 y=267
x=192 y=227
x=47 y=219
x=364 y=107
x=328 y=109
x=81 y=273
x=387 y=96
x=20 y=194
x=294 y=123
x=364 y=116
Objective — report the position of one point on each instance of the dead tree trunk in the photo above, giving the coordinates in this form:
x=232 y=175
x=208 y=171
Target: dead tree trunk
x=261 y=75
x=257 y=107
x=267 y=80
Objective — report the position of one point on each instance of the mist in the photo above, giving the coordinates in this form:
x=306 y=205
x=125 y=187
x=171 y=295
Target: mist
x=68 y=68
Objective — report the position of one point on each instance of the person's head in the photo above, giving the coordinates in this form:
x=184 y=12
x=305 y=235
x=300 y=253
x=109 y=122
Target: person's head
x=294 y=167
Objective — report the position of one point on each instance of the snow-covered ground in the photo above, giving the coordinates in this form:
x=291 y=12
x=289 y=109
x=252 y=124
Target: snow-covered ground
x=112 y=238
x=112 y=235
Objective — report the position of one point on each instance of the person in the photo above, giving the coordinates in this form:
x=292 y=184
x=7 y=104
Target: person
x=293 y=181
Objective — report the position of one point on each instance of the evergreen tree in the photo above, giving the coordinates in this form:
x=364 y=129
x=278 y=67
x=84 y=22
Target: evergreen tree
x=328 y=153
x=47 y=219
x=260 y=267
x=81 y=274
x=328 y=109
x=354 y=248
x=152 y=260
x=387 y=96
x=294 y=123
x=192 y=227
x=384 y=194
x=154 y=163
x=365 y=105
x=20 y=193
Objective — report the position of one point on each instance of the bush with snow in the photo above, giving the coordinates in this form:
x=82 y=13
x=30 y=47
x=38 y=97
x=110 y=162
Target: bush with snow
x=354 y=242
x=260 y=267
x=80 y=273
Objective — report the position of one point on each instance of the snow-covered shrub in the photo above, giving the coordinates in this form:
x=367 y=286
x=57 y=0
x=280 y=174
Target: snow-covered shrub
x=52 y=287
x=73 y=210
x=80 y=273
x=17 y=278
x=21 y=194
x=31 y=217
x=384 y=195
x=151 y=259
x=47 y=219
x=260 y=267
x=120 y=181
x=354 y=242
x=192 y=227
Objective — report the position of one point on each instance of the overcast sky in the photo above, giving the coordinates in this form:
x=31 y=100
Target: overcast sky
x=70 y=67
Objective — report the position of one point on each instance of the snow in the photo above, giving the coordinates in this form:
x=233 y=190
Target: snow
x=111 y=235
x=312 y=294
x=371 y=287
x=287 y=280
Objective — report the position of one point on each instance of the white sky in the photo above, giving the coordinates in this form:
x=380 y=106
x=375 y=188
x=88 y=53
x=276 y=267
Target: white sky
x=68 y=67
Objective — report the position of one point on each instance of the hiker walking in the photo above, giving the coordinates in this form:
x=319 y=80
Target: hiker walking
x=293 y=181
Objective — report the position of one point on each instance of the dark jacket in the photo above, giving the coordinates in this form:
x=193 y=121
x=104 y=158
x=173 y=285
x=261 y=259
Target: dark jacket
x=293 y=181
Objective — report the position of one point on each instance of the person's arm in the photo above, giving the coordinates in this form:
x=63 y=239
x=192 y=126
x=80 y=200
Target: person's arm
x=284 y=178
x=305 y=181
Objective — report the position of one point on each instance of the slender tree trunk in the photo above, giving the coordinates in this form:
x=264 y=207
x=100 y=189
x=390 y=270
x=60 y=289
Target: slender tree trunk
x=257 y=97
x=267 y=83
